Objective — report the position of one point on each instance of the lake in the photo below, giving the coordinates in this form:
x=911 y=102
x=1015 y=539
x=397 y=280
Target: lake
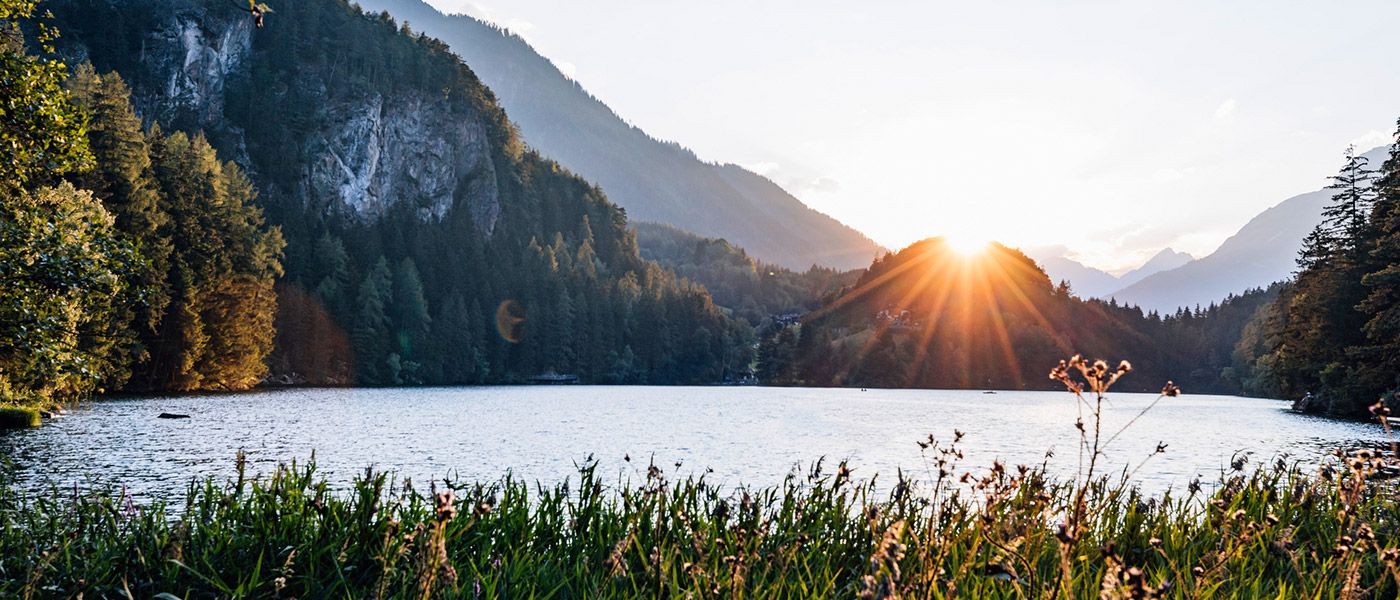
x=747 y=435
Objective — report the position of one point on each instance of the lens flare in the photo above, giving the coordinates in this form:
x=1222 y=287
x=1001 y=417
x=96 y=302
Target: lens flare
x=510 y=321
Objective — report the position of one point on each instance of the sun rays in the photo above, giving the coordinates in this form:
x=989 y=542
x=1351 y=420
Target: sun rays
x=961 y=300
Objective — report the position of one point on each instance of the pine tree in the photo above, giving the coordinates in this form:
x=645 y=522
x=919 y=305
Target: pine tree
x=124 y=181
x=1382 y=304
x=217 y=329
x=409 y=314
x=1318 y=328
x=371 y=330
x=1344 y=220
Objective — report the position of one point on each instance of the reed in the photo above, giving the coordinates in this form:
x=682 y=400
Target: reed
x=1000 y=532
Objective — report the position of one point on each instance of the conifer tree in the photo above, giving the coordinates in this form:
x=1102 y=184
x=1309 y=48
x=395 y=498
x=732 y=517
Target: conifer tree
x=1382 y=304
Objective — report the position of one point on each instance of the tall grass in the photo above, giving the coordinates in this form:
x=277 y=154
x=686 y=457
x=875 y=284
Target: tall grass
x=1003 y=532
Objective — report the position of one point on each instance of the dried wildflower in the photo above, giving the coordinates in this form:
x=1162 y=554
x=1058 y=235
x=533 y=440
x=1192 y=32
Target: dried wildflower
x=1063 y=534
x=883 y=582
x=616 y=562
x=1379 y=409
x=444 y=506
x=1000 y=571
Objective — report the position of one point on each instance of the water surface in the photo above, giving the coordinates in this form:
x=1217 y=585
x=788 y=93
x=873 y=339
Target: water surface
x=747 y=435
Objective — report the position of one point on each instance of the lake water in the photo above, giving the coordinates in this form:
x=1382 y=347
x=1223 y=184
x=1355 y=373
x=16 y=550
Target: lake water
x=747 y=435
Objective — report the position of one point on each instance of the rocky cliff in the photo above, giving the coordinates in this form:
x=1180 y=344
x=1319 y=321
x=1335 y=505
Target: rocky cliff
x=360 y=150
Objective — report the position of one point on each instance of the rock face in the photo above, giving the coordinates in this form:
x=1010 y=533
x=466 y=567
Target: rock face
x=361 y=155
x=407 y=149
x=203 y=61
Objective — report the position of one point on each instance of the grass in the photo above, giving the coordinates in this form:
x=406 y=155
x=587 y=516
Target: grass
x=13 y=417
x=1004 y=532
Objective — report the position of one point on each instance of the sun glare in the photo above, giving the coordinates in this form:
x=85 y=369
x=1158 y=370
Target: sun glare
x=966 y=244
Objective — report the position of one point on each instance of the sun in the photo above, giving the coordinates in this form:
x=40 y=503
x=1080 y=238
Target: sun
x=966 y=243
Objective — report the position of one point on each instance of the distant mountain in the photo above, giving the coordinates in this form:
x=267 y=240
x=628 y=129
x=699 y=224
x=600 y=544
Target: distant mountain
x=653 y=180
x=1085 y=281
x=1262 y=252
x=1165 y=260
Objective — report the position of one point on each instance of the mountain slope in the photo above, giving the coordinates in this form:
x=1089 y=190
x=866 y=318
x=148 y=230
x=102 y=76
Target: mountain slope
x=1262 y=252
x=1165 y=260
x=653 y=180
x=1086 y=281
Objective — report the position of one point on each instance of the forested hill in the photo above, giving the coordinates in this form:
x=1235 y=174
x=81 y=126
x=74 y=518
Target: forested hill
x=929 y=317
x=757 y=292
x=424 y=242
x=654 y=180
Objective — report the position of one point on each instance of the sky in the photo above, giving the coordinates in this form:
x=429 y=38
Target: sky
x=1113 y=129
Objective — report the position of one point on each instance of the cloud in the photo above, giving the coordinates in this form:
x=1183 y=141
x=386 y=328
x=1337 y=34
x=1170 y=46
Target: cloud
x=520 y=27
x=1371 y=139
x=818 y=185
x=1172 y=175
x=765 y=168
x=1226 y=109
x=569 y=69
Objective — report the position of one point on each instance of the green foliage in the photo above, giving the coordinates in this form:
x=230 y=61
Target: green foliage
x=63 y=271
x=12 y=417
x=64 y=275
x=218 y=326
x=41 y=131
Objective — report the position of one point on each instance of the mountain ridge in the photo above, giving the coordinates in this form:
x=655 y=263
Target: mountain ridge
x=1262 y=252
x=653 y=179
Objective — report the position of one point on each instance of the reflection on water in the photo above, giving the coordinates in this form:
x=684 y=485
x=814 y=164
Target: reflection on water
x=753 y=436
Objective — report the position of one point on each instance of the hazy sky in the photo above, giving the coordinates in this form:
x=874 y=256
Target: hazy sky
x=1112 y=128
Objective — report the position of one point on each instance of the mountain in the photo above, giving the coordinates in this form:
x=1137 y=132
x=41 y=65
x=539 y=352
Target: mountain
x=425 y=243
x=1088 y=282
x=1260 y=253
x=1085 y=281
x=653 y=180
x=1165 y=260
